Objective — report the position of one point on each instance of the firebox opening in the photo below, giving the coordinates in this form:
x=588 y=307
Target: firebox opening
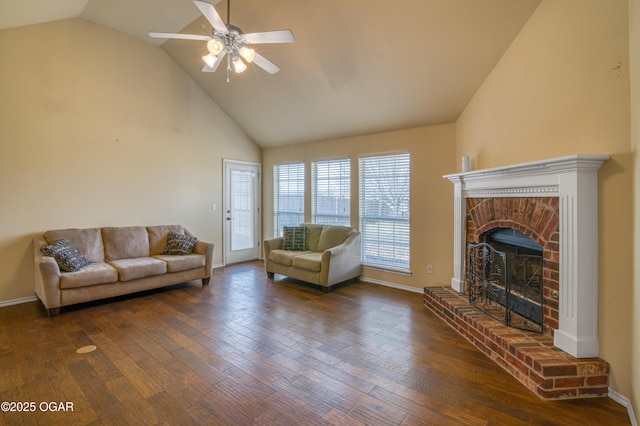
x=505 y=278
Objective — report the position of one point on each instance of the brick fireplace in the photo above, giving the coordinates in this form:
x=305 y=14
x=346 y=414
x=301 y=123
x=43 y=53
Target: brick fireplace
x=553 y=202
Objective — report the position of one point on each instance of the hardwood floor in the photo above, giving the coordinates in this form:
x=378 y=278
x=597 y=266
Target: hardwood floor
x=246 y=350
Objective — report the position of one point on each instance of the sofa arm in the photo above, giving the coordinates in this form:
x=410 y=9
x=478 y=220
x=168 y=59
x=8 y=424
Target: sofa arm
x=342 y=262
x=47 y=276
x=267 y=246
x=205 y=248
x=272 y=244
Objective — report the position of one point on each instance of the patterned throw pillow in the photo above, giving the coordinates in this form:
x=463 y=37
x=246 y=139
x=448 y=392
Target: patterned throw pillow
x=68 y=258
x=179 y=244
x=295 y=238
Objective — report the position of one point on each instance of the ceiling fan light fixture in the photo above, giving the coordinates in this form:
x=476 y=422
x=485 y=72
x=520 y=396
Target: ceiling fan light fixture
x=238 y=65
x=214 y=47
x=210 y=60
x=229 y=40
x=247 y=53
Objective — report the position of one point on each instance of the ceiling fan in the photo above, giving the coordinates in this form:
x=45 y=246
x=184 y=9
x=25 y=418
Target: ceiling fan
x=229 y=40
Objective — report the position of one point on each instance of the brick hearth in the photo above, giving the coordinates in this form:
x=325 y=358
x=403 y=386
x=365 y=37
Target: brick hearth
x=530 y=357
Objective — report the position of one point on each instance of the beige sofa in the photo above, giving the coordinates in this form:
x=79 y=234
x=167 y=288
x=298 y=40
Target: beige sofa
x=122 y=260
x=332 y=256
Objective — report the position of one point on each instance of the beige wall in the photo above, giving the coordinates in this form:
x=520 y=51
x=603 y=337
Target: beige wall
x=432 y=156
x=634 y=48
x=555 y=93
x=99 y=129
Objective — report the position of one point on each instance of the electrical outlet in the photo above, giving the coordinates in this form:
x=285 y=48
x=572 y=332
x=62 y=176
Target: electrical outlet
x=429 y=269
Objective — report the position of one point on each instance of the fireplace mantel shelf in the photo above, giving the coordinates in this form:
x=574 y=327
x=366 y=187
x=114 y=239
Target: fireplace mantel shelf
x=525 y=179
x=574 y=180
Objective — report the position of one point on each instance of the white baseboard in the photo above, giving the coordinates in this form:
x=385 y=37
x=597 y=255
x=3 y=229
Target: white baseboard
x=5 y=303
x=624 y=401
x=393 y=285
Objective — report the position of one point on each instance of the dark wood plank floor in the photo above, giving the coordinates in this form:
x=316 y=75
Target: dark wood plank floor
x=246 y=350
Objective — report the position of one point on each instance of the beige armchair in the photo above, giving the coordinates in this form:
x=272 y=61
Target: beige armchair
x=332 y=255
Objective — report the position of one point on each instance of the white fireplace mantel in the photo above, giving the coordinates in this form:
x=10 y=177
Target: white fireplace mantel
x=574 y=180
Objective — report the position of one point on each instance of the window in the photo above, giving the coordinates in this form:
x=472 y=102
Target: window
x=331 y=192
x=384 y=210
x=288 y=192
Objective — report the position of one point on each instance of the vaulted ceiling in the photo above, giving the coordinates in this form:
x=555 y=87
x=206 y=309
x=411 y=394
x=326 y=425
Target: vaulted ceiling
x=357 y=66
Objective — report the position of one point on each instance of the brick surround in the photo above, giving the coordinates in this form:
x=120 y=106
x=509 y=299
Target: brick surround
x=529 y=357
x=536 y=217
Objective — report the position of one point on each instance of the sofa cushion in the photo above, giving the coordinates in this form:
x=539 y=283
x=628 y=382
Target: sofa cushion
x=125 y=242
x=94 y=274
x=180 y=244
x=140 y=267
x=284 y=257
x=332 y=236
x=69 y=259
x=294 y=238
x=87 y=241
x=182 y=263
x=310 y=261
x=158 y=236
x=314 y=235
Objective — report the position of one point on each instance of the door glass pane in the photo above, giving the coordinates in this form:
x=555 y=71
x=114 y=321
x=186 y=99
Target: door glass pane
x=242 y=208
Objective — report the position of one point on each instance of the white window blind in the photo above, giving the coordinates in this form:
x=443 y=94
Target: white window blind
x=331 y=192
x=288 y=192
x=384 y=210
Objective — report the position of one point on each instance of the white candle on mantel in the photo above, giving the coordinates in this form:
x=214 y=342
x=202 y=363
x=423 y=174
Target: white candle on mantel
x=465 y=164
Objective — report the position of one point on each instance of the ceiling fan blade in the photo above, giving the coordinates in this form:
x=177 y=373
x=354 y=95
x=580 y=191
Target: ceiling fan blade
x=281 y=36
x=207 y=68
x=212 y=16
x=265 y=64
x=180 y=36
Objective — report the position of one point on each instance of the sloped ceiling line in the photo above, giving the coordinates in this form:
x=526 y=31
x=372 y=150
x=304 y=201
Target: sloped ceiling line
x=356 y=67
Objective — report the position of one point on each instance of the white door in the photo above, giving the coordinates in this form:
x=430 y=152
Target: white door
x=241 y=211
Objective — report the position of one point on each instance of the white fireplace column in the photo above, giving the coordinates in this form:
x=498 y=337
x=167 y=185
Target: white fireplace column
x=574 y=180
